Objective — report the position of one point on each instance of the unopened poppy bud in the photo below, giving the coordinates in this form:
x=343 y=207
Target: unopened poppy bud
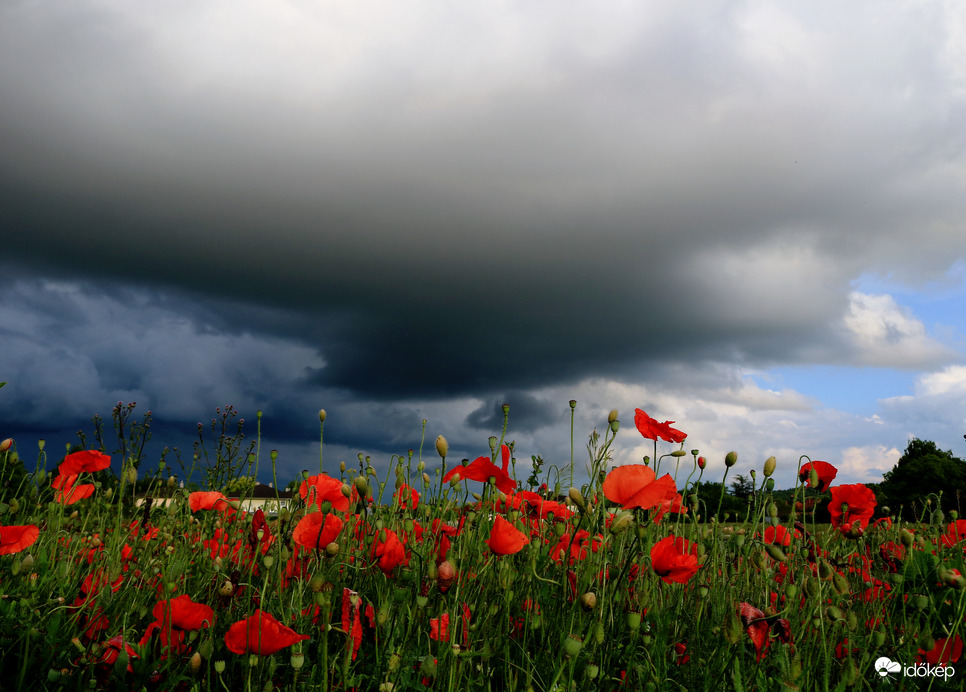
x=341 y=467
x=572 y=645
x=812 y=478
x=321 y=415
x=840 y=583
x=731 y=458
x=927 y=642
x=953 y=514
x=195 y=662
x=906 y=538
x=362 y=485
x=835 y=613
x=770 y=464
x=775 y=552
x=131 y=475
x=612 y=416
x=588 y=601
x=621 y=522
x=677 y=453
x=428 y=667
x=442 y=446
x=702 y=463
x=615 y=426
x=6 y=445
x=577 y=498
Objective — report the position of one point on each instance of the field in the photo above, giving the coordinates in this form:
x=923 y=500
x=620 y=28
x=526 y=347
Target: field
x=471 y=578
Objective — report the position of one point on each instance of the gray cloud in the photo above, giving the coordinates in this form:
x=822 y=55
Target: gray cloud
x=386 y=207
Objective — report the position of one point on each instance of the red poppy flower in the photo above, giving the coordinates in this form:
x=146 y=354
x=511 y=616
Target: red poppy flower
x=778 y=535
x=505 y=538
x=260 y=634
x=851 y=505
x=482 y=469
x=13 y=539
x=945 y=651
x=210 y=499
x=324 y=488
x=317 y=530
x=439 y=627
x=955 y=532
x=351 y=620
x=183 y=613
x=389 y=550
x=826 y=473
x=672 y=504
x=87 y=460
x=68 y=492
x=674 y=559
x=408 y=497
x=651 y=429
x=634 y=485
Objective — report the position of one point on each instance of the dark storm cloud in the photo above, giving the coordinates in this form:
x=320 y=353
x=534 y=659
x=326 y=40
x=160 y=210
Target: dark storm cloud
x=529 y=413
x=316 y=207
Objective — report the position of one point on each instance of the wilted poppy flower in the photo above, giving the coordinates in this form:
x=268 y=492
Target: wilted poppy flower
x=317 y=530
x=826 y=473
x=68 y=491
x=850 y=505
x=674 y=559
x=324 y=488
x=651 y=429
x=757 y=626
x=439 y=627
x=505 y=538
x=482 y=469
x=260 y=634
x=208 y=499
x=84 y=461
x=13 y=539
x=634 y=485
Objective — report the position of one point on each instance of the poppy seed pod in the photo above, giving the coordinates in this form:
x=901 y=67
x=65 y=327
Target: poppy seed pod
x=442 y=446
x=731 y=458
x=572 y=645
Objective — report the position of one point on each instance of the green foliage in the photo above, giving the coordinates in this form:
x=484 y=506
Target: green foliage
x=921 y=471
x=742 y=487
x=709 y=496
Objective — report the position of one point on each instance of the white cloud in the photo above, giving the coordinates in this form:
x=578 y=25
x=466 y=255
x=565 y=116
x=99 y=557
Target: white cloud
x=885 y=334
x=868 y=463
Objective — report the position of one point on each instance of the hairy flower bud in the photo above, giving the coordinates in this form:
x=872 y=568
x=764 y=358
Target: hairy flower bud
x=442 y=446
x=577 y=498
x=731 y=458
x=770 y=464
x=321 y=415
x=612 y=416
x=588 y=601
x=6 y=445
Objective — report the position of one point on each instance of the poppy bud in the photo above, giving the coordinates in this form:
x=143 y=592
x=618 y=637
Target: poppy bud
x=588 y=601
x=612 y=416
x=195 y=662
x=927 y=642
x=770 y=464
x=577 y=498
x=321 y=415
x=6 y=445
x=677 y=453
x=428 y=667
x=442 y=446
x=775 y=552
x=731 y=458
x=812 y=478
x=840 y=583
x=362 y=485
x=621 y=522
x=834 y=613
x=906 y=538
x=702 y=463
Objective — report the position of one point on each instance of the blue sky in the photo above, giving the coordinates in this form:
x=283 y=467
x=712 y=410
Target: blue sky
x=746 y=217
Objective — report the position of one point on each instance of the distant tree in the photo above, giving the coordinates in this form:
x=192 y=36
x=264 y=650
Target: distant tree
x=709 y=495
x=923 y=469
x=742 y=487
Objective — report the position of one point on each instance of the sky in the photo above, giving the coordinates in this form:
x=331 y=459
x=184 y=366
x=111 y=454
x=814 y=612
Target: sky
x=745 y=217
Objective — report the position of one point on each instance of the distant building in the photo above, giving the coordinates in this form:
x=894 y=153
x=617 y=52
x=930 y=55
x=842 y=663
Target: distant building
x=263 y=497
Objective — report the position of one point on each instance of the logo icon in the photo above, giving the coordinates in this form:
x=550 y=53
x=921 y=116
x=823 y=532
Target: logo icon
x=886 y=666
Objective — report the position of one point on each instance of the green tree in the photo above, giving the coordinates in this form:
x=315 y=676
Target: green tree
x=709 y=495
x=742 y=487
x=924 y=470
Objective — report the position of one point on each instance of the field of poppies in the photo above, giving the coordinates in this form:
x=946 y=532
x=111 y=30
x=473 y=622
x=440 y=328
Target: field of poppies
x=466 y=576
